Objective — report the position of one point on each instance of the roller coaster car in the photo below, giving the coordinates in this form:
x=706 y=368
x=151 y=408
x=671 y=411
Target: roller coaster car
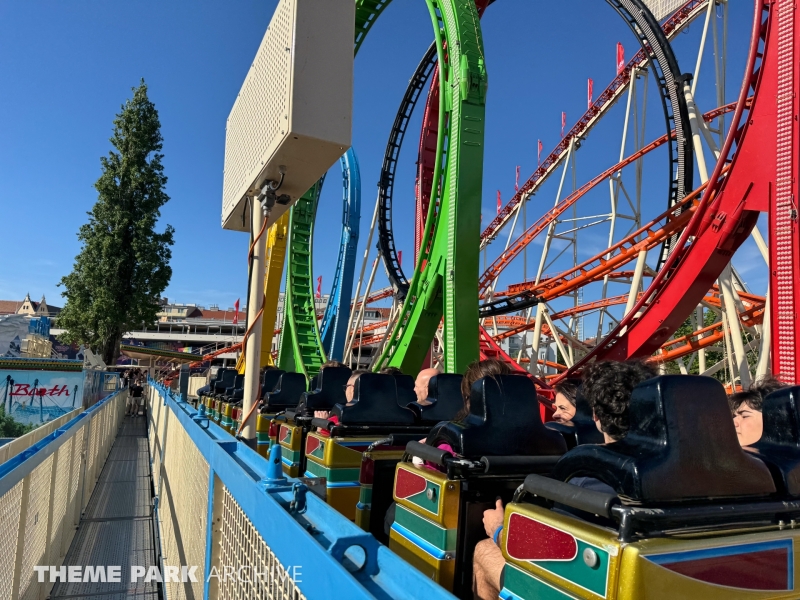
x=694 y=515
x=269 y=383
x=232 y=395
x=204 y=393
x=582 y=429
x=291 y=428
x=380 y=460
x=214 y=398
x=373 y=423
x=285 y=393
x=439 y=515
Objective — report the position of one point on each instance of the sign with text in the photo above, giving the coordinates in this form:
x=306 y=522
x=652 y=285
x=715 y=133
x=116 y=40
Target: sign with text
x=37 y=397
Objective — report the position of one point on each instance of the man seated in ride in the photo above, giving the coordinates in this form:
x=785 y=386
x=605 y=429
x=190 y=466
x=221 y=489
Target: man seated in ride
x=566 y=394
x=607 y=386
x=421 y=385
x=746 y=409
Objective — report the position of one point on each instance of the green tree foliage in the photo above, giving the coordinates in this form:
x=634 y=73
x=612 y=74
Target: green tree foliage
x=123 y=266
x=712 y=356
x=10 y=427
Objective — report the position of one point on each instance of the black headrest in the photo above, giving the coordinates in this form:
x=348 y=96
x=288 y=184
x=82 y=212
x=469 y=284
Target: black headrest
x=375 y=397
x=503 y=420
x=329 y=390
x=269 y=380
x=779 y=445
x=681 y=445
x=287 y=393
x=582 y=430
x=405 y=389
x=225 y=381
x=444 y=395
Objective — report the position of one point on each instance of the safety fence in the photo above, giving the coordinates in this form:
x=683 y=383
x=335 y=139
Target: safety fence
x=228 y=515
x=44 y=489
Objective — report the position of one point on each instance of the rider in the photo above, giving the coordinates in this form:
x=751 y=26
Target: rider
x=566 y=392
x=746 y=408
x=607 y=387
x=421 y=385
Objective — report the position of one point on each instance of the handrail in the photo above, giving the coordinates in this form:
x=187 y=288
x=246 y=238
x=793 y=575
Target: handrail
x=16 y=468
x=315 y=537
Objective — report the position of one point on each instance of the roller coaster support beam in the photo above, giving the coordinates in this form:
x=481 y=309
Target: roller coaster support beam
x=758 y=181
x=255 y=309
x=438 y=288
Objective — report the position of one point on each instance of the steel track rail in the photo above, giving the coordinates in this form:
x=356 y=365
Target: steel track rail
x=337 y=313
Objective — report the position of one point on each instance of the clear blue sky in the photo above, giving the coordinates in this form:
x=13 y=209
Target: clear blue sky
x=66 y=67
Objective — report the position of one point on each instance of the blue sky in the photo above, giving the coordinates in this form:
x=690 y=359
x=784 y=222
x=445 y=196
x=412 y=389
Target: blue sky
x=66 y=67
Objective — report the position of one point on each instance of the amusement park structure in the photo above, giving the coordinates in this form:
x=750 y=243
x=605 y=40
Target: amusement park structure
x=664 y=269
x=287 y=463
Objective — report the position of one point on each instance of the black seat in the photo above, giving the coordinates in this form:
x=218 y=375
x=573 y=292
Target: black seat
x=405 y=389
x=444 y=395
x=375 y=398
x=224 y=382
x=779 y=446
x=207 y=389
x=681 y=445
x=503 y=420
x=328 y=393
x=582 y=430
x=286 y=394
x=236 y=389
x=269 y=380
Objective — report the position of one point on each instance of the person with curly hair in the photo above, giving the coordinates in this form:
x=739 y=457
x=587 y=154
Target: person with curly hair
x=746 y=409
x=607 y=386
x=566 y=394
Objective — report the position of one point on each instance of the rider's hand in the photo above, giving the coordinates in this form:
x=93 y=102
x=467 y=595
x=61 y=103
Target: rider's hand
x=493 y=518
x=321 y=414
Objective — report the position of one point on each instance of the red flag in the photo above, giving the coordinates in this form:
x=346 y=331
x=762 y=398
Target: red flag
x=236 y=312
x=319 y=286
x=620 y=58
x=516 y=181
x=563 y=122
x=400 y=257
x=539 y=154
x=591 y=92
x=499 y=202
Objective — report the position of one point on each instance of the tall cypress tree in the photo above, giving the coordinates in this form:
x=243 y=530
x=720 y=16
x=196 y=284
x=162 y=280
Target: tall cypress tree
x=123 y=266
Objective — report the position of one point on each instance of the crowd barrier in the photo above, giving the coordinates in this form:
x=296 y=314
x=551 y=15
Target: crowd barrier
x=45 y=487
x=250 y=532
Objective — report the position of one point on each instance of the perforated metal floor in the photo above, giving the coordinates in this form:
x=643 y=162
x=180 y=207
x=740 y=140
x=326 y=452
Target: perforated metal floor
x=117 y=527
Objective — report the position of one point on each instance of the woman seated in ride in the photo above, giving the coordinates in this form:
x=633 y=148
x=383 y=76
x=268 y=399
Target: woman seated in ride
x=475 y=371
x=746 y=409
x=566 y=394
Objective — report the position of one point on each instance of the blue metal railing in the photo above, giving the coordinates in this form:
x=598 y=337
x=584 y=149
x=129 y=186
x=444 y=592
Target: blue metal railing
x=298 y=528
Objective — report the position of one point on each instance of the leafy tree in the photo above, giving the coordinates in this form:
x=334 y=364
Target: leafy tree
x=123 y=266
x=10 y=427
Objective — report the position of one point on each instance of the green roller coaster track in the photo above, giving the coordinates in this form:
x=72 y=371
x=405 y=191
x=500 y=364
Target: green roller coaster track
x=301 y=346
x=437 y=289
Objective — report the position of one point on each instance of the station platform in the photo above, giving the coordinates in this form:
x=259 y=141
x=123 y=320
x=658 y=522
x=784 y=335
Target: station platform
x=117 y=526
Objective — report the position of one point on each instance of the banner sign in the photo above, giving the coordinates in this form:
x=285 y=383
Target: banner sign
x=35 y=397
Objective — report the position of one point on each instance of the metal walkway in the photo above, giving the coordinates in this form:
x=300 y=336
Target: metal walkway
x=116 y=529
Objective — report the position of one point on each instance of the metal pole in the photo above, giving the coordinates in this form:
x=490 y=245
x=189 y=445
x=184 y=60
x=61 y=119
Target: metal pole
x=739 y=355
x=254 y=306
